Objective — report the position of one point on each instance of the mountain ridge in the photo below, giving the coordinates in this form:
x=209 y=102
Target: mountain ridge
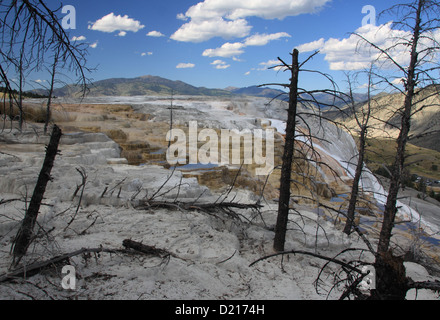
x=143 y=85
x=154 y=85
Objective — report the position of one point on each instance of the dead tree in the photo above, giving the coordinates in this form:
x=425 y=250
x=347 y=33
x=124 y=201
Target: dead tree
x=419 y=19
x=24 y=236
x=51 y=88
x=286 y=170
x=305 y=151
x=30 y=32
x=362 y=123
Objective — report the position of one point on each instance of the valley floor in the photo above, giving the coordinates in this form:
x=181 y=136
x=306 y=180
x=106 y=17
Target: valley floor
x=211 y=252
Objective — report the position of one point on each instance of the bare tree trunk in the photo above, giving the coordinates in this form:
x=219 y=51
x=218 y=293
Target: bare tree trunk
x=355 y=187
x=20 y=97
x=49 y=99
x=286 y=170
x=396 y=178
x=391 y=281
x=363 y=125
x=25 y=233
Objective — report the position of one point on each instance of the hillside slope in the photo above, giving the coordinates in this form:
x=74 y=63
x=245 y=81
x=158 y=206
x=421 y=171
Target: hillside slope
x=384 y=123
x=141 y=86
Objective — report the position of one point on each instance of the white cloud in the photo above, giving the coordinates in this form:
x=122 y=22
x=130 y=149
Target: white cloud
x=94 y=45
x=182 y=17
x=40 y=81
x=155 y=34
x=275 y=64
x=398 y=81
x=270 y=63
x=199 y=31
x=226 y=18
x=122 y=33
x=143 y=54
x=220 y=64
x=111 y=23
x=233 y=9
x=311 y=46
x=227 y=50
x=263 y=39
x=185 y=65
x=352 y=53
x=80 y=38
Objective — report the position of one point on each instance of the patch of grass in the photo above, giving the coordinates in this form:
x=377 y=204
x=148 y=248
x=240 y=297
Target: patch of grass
x=420 y=161
x=117 y=135
x=32 y=113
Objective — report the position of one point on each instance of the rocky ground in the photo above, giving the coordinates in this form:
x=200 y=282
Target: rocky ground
x=211 y=252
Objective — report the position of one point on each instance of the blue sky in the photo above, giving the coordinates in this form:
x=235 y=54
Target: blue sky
x=219 y=43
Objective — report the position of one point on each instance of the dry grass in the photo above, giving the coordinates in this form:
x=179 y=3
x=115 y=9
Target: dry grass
x=32 y=113
x=420 y=161
x=117 y=135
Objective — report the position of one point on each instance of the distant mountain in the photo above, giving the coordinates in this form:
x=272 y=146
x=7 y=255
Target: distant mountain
x=324 y=100
x=141 y=86
x=154 y=85
x=258 y=92
x=321 y=100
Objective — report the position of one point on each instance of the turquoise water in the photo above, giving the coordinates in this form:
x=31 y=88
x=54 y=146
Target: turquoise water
x=196 y=166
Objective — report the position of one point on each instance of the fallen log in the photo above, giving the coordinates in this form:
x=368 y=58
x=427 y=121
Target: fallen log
x=190 y=206
x=61 y=260
x=150 y=250
x=35 y=268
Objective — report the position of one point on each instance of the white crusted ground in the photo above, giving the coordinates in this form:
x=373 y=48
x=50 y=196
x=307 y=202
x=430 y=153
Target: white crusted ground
x=211 y=252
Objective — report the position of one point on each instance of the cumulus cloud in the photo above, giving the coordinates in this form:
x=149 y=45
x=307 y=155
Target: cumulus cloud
x=111 y=23
x=80 y=38
x=263 y=39
x=352 y=53
x=275 y=64
x=233 y=9
x=220 y=64
x=228 y=49
x=311 y=46
x=226 y=18
x=185 y=65
x=155 y=34
x=200 y=31
x=94 y=45
x=182 y=17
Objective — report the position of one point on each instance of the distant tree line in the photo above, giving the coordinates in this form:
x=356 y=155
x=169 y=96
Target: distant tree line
x=26 y=94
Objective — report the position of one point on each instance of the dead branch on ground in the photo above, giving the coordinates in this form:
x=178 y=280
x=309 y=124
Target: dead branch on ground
x=61 y=260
